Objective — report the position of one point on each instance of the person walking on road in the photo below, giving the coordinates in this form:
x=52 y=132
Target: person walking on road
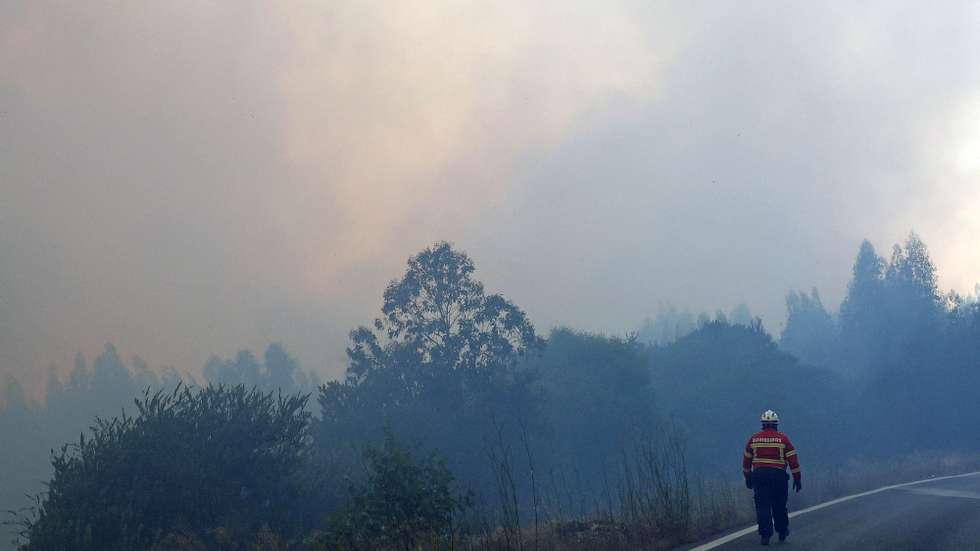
x=767 y=455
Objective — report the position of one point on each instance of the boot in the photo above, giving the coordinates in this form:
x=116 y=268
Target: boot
x=765 y=540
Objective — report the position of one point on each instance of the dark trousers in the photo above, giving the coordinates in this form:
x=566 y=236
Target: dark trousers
x=771 y=488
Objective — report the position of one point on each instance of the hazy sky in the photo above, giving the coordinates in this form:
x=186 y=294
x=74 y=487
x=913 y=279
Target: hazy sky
x=188 y=178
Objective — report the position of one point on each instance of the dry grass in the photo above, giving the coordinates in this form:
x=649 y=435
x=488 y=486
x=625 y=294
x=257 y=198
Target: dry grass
x=658 y=505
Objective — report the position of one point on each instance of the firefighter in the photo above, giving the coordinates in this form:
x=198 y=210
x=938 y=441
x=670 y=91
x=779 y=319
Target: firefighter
x=767 y=455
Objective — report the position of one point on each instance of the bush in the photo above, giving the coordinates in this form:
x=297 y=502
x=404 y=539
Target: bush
x=190 y=462
x=402 y=504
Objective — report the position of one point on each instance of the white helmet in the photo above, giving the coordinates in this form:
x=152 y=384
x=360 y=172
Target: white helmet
x=770 y=416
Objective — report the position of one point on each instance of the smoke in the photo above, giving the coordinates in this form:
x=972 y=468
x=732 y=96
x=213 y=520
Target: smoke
x=185 y=179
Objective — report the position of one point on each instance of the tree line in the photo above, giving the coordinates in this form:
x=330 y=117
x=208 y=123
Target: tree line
x=457 y=424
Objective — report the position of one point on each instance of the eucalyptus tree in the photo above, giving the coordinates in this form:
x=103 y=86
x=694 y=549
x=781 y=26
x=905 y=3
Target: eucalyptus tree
x=440 y=365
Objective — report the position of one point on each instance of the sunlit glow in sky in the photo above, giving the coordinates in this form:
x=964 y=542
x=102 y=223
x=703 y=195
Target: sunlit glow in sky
x=187 y=179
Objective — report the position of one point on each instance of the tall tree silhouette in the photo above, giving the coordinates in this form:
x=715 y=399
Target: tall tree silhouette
x=440 y=316
x=861 y=311
x=810 y=332
x=440 y=365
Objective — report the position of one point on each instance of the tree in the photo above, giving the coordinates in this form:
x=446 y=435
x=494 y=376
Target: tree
x=912 y=311
x=598 y=400
x=741 y=315
x=912 y=269
x=670 y=324
x=716 y=381
x=893 y=314
x=864 y=292
x=111 y=375
x=24 y=449
x=278 y=371
x=282 y=369
x=440 y=362
x=810 y=332
x=243 y=370
x=440 y=314
x=861 y=323
x=101 y=390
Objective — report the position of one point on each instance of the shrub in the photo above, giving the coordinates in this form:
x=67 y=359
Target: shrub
x=403 y=503
x=187 y=462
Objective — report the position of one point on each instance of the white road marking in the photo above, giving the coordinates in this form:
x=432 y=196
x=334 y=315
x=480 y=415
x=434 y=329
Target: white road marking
x=940 y=492
x=746 y=531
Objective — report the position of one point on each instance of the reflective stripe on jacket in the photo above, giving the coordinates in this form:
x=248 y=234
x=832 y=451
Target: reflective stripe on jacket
x=770 y=449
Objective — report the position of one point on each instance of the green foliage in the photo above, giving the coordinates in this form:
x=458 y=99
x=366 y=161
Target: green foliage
x=29 y=430
x=189 y=462
x=439 y=316
x=440 y=363
x=403 y=503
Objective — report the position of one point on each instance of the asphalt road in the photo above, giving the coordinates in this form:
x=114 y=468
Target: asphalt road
x=934 y=515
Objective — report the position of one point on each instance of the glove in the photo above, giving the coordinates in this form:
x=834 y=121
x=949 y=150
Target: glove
x=797 y=485
x=748 y=483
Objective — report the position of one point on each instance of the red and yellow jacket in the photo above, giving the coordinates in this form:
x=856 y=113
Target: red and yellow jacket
x=770 y=449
